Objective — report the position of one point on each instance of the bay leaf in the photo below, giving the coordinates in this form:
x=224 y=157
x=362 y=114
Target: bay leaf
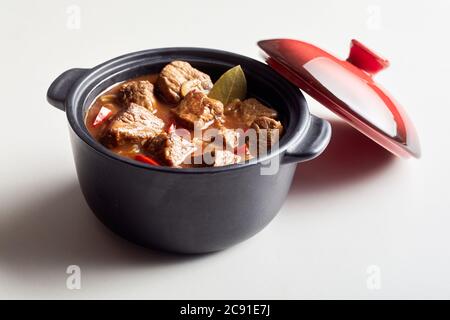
x=231 y=85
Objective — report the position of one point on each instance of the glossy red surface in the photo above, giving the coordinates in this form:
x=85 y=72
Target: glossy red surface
x=365 y=59
x=347 y=88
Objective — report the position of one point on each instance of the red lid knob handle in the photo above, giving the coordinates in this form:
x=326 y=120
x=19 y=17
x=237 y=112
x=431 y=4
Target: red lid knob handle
x=365 y=59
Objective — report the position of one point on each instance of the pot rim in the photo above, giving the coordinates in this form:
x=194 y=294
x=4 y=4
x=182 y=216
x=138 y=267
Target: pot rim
x=83 y=87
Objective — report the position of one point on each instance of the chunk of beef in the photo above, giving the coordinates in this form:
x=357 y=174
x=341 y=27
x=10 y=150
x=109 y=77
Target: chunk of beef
x=197 y=110
x=216 y=156
x=139 y=92
x=225 y=158
x=191 y=85
x=224 y=137
x=170 y=148
x=134 y=124
x=268 y=131
x=230 y=137
x=177 y=73
x=248 y=110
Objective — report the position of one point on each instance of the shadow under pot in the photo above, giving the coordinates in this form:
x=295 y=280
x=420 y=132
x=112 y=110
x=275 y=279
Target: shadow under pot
x=187 y=210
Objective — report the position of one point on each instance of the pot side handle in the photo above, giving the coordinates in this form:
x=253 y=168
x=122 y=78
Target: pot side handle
x=312 y=145
x=59 y=89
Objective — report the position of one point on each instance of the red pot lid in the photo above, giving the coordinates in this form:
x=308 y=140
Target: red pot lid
x=348 y=89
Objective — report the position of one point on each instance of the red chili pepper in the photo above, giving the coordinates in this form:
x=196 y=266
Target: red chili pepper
x=102 y=115
x=145 y=159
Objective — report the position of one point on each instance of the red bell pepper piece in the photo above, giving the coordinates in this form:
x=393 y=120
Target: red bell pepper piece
x=102 y=115
x=145 y=159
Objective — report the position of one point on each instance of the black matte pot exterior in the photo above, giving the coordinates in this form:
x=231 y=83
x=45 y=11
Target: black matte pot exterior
x=189 y=212
x=194 y=210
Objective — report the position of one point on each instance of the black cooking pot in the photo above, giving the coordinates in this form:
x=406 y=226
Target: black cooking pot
x=191 y=210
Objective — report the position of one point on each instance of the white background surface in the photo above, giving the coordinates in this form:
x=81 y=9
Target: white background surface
x=354 y=207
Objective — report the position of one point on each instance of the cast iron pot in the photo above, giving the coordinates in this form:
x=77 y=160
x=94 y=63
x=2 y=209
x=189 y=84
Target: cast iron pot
x=194 y=210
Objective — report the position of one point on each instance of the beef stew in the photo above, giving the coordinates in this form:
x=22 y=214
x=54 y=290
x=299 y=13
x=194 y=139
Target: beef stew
x=168 y=119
